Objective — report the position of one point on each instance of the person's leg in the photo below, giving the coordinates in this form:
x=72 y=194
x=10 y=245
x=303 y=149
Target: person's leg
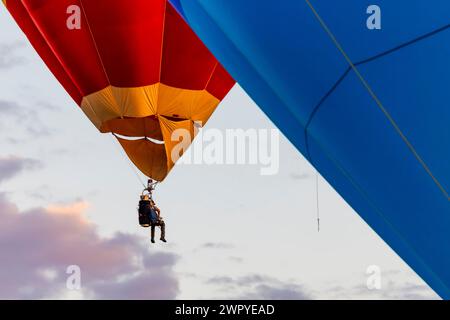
x=153 y=233
x=163 y=231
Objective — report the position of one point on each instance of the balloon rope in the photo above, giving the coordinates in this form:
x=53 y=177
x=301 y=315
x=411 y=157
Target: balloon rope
x=95 y=43
x=377 y=101
x=133 y=168
x=317 y=201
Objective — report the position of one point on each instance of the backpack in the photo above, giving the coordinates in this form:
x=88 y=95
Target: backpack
x=144 y=213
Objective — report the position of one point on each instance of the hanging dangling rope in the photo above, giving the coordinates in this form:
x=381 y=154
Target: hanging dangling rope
x=317 y=201
x=128 y=162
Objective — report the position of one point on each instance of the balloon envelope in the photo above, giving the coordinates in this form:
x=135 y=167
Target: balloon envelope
x=135 y=68
x=369 y=108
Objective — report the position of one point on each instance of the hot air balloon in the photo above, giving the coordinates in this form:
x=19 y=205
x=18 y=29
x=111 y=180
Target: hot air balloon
x=135 y=68
x=368 y=106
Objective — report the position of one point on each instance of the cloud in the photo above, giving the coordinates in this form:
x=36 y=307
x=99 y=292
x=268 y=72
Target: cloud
x=217 y=245
x=257 y=287
x=395 y=285
x=300 y=176
x=409 y=291
x=9 y=57
x=12 y=166
x=71 y=209
x=393 y=290
x=13 y=113
x=277 y=292
x=38 y=245
x=236 y=259
x=10 y=108
x=219 y=280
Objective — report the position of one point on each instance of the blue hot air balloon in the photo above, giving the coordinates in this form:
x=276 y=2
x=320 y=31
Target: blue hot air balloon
x=364 y=93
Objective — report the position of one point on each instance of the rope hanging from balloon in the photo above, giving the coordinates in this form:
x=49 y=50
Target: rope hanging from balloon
x=317 y=201
x=133 y=168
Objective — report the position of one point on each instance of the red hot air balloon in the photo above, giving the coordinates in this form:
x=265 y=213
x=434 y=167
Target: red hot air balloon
x=134 y=67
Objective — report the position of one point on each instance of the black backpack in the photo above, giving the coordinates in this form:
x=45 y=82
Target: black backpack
x=144 y=213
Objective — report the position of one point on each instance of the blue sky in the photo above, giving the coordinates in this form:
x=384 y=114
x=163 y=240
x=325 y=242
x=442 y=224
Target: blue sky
x=69 y=196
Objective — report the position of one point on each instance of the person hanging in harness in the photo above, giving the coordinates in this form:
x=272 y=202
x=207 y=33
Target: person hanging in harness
x=157 y=220
x=149 y=213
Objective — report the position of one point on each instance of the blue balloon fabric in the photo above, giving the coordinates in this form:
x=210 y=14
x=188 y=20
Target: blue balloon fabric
x=369 y=108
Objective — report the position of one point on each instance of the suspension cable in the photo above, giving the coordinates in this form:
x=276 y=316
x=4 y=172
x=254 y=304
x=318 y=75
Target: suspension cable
x=133 y=168
x=317 y=201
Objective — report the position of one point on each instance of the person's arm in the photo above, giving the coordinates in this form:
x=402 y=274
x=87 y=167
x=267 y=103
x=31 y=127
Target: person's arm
x=157 y=211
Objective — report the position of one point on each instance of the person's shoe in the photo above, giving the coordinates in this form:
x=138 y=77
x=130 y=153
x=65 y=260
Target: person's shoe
x=153 y=240
x=163 y=240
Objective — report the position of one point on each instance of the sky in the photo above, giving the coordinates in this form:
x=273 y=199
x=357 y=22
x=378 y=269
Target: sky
x=68 y=197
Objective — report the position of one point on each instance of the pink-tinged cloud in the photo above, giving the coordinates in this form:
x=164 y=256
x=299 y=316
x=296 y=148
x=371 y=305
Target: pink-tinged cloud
x=37 y=246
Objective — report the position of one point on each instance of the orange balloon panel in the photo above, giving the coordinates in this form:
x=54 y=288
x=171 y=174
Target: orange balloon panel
x=134 y=67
